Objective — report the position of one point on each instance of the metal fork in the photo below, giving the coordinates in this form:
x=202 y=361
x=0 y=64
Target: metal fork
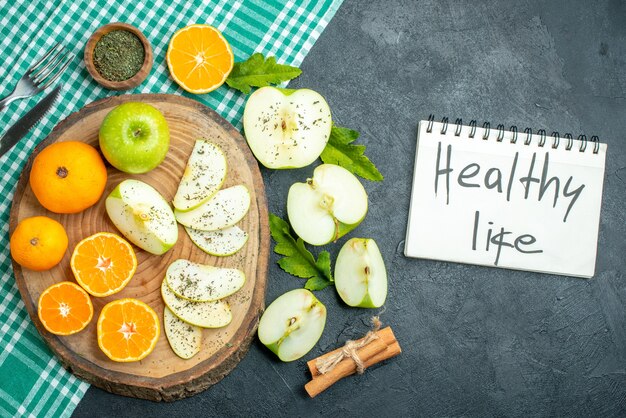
x=41 y=75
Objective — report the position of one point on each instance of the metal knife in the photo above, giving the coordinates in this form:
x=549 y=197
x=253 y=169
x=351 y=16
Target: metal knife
x=16 y=132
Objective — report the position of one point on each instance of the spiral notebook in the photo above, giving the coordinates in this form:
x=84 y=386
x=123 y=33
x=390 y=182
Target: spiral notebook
x=498 y=197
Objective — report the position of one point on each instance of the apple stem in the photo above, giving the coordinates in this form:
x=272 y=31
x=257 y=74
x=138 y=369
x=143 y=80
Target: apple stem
x=367 y=270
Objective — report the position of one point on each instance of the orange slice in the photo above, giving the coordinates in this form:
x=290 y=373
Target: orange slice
x=128 y=330
x=103 y=263
x=65 y=308
x=199 y=58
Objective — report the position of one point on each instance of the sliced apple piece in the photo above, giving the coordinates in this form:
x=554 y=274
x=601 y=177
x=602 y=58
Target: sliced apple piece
x=226 y=208
x=223 y=242
x=143 y=216
x=203 y=283
x=327 y=206
x=204 y=175
x=185 y=339
x=360 y=274
x=292 y=324
x=214 y=314
x=286 y=128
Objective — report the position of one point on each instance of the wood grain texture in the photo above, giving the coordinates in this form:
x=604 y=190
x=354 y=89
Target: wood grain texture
x=161 y=375
x=135 y=80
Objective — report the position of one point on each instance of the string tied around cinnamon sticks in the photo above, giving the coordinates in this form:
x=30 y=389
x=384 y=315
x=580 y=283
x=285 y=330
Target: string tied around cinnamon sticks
x=349 y=350
x=354 y=357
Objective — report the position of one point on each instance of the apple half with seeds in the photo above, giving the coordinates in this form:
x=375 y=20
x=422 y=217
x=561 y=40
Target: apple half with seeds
x=214 y=314
x=292 y=324
x=286 y=128
x=327 y=206
x=203 y=283
x=203 y=176
x=185 y=339
x=143 y=216
x=360 y=274
x=224 y=209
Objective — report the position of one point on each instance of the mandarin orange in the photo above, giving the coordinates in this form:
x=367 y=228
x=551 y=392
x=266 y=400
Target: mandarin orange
x=199 y=58
x=38 y=243
x=68 y=177
x=64 y=308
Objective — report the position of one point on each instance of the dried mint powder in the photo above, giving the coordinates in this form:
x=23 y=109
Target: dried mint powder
x=118 y=55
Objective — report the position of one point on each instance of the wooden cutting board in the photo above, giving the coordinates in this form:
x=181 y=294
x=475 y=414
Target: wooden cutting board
x=161 y=375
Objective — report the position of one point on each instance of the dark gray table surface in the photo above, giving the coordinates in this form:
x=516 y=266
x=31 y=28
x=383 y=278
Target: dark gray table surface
x=477 y=341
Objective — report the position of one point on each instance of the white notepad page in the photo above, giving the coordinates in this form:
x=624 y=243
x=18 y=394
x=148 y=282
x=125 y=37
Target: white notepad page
x=467 y=208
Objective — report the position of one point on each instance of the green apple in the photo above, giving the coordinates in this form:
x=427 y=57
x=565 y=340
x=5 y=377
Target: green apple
x=134 y=137
x=185 y=339
x=327 y=206
x=214 y=314
x=286 y=128
x=143 y=216
x=204 y=175
x=360 y=274
x=203 y=283
x=292 y=324
x=223 y=242
x=224 y=209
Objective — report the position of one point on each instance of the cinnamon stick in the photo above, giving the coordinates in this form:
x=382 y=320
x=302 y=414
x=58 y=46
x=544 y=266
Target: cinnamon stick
x=345 y=368
x=385 y=334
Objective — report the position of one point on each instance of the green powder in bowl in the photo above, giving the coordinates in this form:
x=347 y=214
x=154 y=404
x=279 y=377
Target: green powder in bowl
x=118 y=55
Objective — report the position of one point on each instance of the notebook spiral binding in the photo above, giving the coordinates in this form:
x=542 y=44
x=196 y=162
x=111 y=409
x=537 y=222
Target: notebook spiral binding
x=556 y=138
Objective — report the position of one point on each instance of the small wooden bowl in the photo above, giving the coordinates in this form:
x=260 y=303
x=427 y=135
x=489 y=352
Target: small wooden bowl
x=135 y=80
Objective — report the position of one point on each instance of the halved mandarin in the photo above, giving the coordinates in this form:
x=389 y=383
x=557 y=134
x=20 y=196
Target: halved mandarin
x=128 y=330
x=199 y=58
x=64 y=308
x=103 y=263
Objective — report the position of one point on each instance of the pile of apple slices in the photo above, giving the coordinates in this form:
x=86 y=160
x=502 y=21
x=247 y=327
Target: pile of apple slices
x=208 y=212
x=194 y=295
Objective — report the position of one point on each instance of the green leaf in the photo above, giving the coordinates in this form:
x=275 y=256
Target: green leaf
x=316 y=283
x=297 y=260
x=257 y=71
x=339 y=150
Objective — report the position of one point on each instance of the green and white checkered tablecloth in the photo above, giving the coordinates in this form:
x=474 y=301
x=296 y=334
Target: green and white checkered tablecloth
x=32 y=381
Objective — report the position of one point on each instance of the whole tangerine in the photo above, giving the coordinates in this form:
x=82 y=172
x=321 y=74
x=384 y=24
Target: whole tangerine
x=68 y=177
x=38 y=243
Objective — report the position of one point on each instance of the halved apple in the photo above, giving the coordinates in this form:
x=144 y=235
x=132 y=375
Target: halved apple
x=185 y=339
x=143 y=216
x=204 y=175
x=226 y=208
x=203 y=283
x=286 y=128
x=327 y=206
x=223 y=242
x=292 y=324
x=360 y=274
x=214 y=314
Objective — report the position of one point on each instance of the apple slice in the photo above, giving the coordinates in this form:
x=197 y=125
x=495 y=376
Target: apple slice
x=327 y=206
x=286 y=128
x=223 y=242
x=214 y=314
x=204 y=175
x=202 y=283
x=185 y=339
x=292 y=324
x=143 y=216
x=226 y=208
x=360 y=274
